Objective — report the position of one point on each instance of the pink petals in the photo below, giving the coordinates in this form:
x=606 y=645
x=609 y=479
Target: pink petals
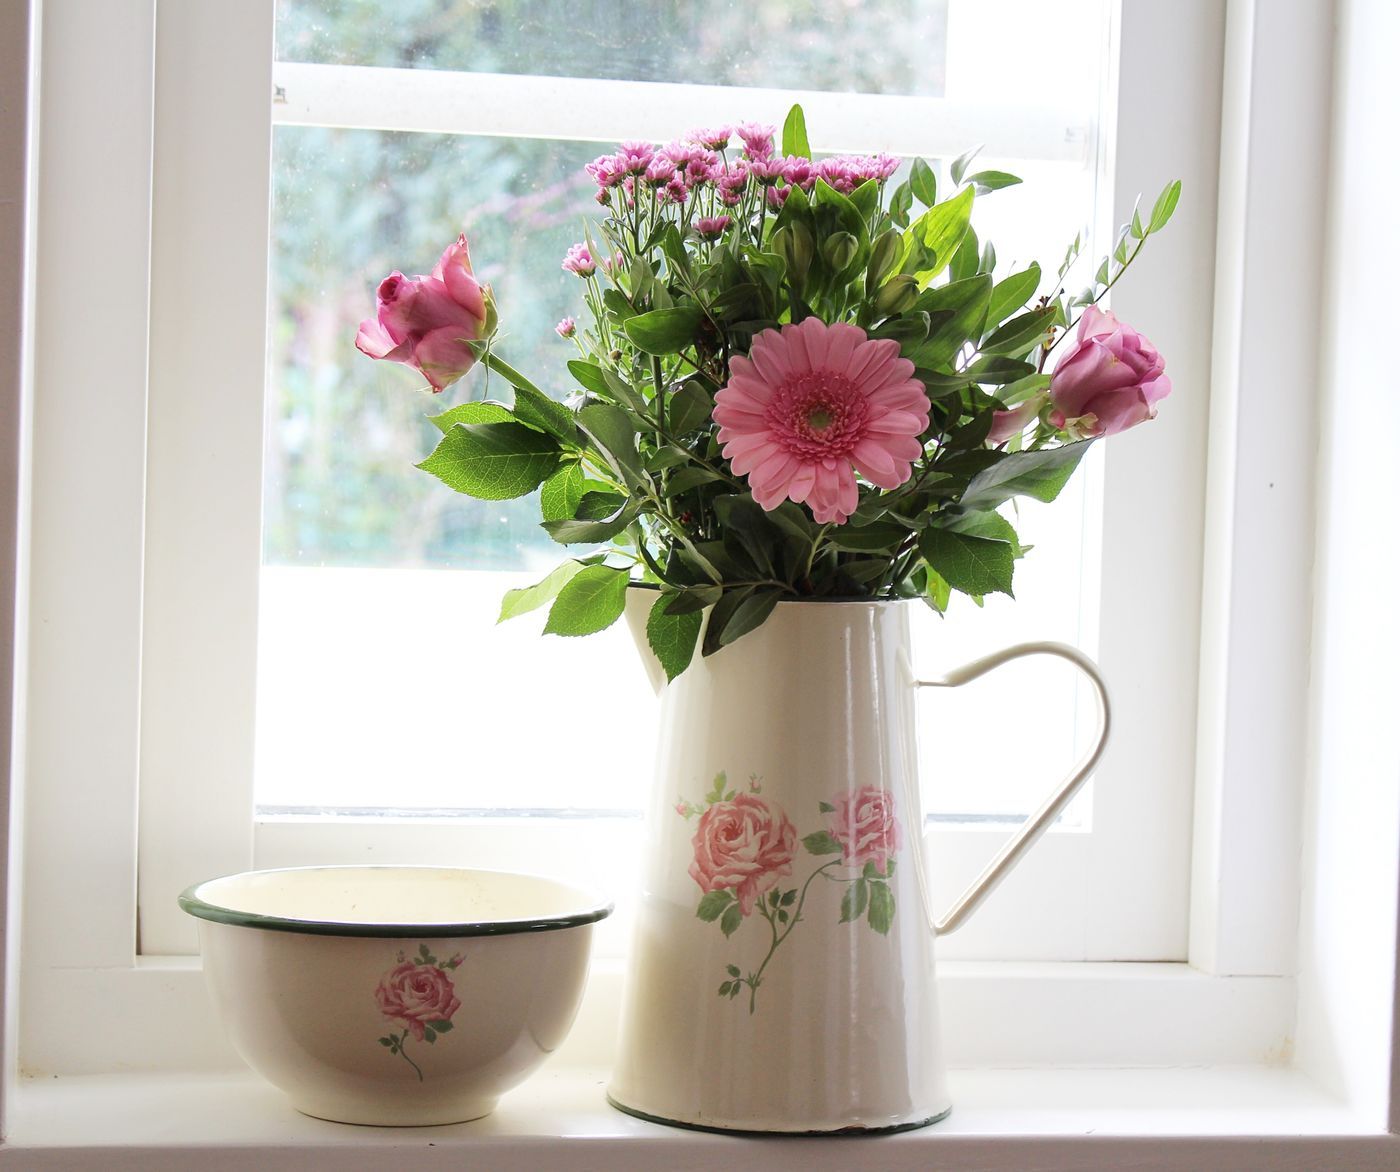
x=812 y=405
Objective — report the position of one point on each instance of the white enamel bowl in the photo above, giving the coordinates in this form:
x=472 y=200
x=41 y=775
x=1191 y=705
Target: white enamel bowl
x=396 y=996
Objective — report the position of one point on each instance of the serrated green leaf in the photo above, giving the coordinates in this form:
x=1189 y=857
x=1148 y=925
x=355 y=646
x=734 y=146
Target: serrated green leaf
x=821 y=842
x=609 y=428
x=795 y=134
x=992 y=526
x=480 y=411
x=493 y=461
x=561 y=493
x=730 y=921
x=664 y=331
x=1164 y=207
x=585 y=531
x=540 y=411
x=528 y=598
x=712 y=905
x=693 y=599
x=854 y=902
x=1040 y=474
x=974 y=565
x=590 y=601
x=672 y=636
x=881 y=913
x=732 y=969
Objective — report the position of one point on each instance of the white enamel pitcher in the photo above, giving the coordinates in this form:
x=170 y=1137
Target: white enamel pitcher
x=782 y=972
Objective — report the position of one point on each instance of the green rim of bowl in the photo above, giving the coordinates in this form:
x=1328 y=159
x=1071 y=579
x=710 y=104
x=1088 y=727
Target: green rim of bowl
x=204 y=910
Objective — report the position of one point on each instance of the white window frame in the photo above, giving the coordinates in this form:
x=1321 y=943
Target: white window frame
x=200 y=594
x=74 y=762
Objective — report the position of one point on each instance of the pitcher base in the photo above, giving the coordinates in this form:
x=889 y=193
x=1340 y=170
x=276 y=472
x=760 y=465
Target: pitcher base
x=735 y=1129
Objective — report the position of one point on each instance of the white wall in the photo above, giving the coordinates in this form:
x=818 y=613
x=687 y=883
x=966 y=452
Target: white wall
x=1348 y=917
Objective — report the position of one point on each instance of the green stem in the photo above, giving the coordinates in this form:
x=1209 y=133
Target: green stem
x=505 y=370
x=404 y=1055
x=755 y=979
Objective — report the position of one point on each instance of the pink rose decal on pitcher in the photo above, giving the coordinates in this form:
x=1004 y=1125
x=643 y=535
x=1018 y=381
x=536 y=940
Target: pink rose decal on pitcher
x=744 y=845
x=418 y=994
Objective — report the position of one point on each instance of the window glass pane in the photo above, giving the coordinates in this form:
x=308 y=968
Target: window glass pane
x=384 y=682
x=868 y=46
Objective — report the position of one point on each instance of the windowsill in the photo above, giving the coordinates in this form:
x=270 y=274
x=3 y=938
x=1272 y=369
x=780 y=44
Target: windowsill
x=560 y=1119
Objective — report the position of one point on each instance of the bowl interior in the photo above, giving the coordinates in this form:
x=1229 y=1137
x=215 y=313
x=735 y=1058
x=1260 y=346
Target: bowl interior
x=406 y=900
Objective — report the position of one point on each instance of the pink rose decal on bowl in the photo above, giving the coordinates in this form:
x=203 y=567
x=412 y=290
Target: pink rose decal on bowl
x=864 y=823
x=745 y=846
x=418 y=994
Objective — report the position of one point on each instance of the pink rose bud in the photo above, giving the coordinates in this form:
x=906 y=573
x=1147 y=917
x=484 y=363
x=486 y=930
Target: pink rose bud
x=1006 y=424
x=566 y=328
x=1112 y=380
x=428 y=322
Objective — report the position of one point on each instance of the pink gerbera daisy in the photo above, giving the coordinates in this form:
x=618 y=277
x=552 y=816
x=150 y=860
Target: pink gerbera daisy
x=812 y=405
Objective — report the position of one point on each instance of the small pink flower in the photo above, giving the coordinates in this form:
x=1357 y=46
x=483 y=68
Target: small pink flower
x=1112 y=380
x=579 y=260
x=605 y=171
x=715 y=139
x=427 y=322
x=865 y=825
x=634 y=157
x=767 y=171
x=799 y=172
x=566 y=328
x=417 y=995
x=812 y=405
x=731 y=184
x=712 y=227
x=660 y=171
x=744 y=846
x=675 y=191
x=777 y=196
x=757 y=139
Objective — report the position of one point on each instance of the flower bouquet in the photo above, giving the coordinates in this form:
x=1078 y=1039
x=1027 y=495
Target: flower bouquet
x=798 y=379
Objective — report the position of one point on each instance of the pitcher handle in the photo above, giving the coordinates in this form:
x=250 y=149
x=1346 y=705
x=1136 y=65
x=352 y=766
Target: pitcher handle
x=1011 y=853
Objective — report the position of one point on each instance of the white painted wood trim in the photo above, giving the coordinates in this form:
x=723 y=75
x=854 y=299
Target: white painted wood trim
x=1261 y=484
x=204 y=470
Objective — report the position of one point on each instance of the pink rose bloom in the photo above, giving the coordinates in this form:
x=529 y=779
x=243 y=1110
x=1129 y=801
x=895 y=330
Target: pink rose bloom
x=744 y=846
x=426 y=322
x=812 y=405
x=1112 y=380
x=865 y=825
x=417 y=995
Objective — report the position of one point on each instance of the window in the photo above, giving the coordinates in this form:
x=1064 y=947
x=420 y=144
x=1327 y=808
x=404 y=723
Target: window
x=142 y=578
x=363 y=179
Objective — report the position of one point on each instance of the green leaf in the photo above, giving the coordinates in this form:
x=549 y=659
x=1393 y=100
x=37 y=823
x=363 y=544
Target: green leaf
x=732 y=969
x=1039 y=474
x=590 y=601
x=730 y=921
x=900 y=203
x=868 y=538
x=962 y=310
x=672 y=636
x=993 y=180
x=821 y=843
x=493 y=461
x=575 y=531
x=737 y=613
x=692 y=477
x=1020 y=333
x=1164 y=207
x=960 y=164
x=688 y=409
x=693 y=599
x=974 y=565
x=853 y=903
x=541 y=411
x=826 y=807
x=795 y=134
x=941 y=230
x=442 y=1027
x=609 y=428
x=881 y=914
x=664 y=331
x=522 y=601
x=992 y=526
x=482 y=411
x=561 y=493
x=589 y=375
x=923 y=183
x=1011 y=294
x=712 y=905
x=599 y=505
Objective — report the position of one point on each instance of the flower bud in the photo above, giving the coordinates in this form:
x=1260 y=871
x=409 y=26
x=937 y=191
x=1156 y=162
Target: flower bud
x=839 y=249
x=897 y=294
x=794 y=244
x=884 y=255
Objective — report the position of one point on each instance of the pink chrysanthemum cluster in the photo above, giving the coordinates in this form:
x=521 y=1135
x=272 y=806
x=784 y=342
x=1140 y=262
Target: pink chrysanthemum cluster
x=814 y=404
